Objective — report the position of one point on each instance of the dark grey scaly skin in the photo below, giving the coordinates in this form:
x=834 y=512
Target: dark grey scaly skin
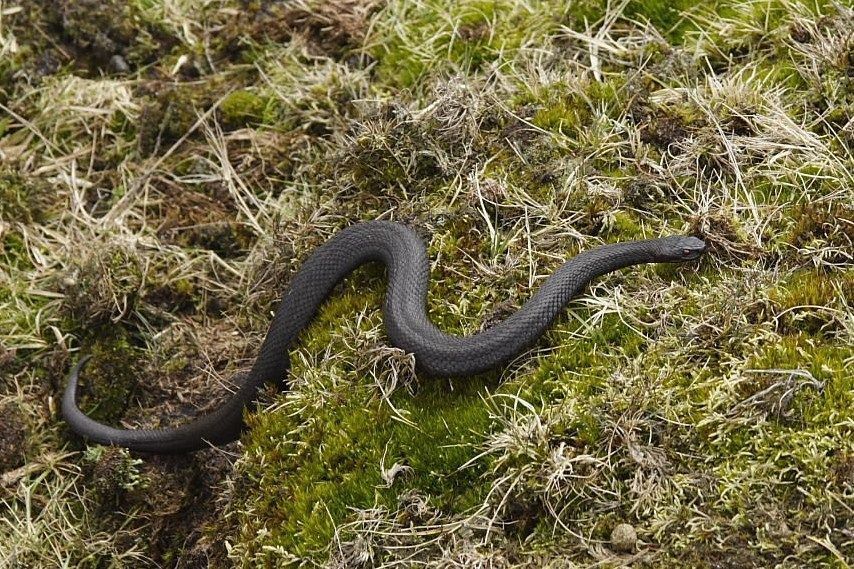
x=405 y=317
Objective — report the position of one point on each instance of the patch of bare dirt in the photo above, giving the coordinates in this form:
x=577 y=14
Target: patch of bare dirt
x=12 y=438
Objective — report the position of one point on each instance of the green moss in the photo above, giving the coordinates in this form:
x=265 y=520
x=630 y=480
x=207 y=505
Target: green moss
x=829 y=404
x=669 y=17
x=22 y=200
x=827 y=222
x=443 y=35
x=572 y=109
x=670 y=124
x=336 y=465
x=784 y=73
x=560 y=107
x=565 y=115
x=339 y=468
x=578 y=370
x=15 y=250
x=242 y=108
x=626 y=227
x=110 y=472
x=400 y=66
x=109 y=378
x=811 y=302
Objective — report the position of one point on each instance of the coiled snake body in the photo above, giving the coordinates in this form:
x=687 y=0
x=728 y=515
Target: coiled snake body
x=405 y=318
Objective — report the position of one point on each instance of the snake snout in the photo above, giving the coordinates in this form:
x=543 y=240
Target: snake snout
x=692 y=248
x=681 y=248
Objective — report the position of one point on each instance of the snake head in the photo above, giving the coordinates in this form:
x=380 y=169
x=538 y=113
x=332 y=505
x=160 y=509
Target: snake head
x=682 y=248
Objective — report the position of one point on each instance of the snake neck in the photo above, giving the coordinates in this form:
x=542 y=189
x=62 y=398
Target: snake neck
x=613 y=257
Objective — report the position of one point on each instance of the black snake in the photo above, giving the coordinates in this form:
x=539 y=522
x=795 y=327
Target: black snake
x=405 y=318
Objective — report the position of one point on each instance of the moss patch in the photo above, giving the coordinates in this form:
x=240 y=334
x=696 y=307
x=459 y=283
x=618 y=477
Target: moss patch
x=110 y=379
x=242 y=108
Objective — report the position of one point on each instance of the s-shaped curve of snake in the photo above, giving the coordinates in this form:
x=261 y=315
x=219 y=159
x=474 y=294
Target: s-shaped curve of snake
x=404 y=315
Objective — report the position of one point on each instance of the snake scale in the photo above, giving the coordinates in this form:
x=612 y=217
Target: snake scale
x=404 y=315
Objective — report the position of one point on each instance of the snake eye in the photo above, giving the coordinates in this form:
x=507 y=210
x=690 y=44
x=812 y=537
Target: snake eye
x=686 y=252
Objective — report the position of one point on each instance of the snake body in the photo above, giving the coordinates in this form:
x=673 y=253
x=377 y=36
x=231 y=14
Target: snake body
x=405 y=317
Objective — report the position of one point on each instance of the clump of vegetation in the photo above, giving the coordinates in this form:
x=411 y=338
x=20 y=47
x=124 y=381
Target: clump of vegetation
x=111 y=471
x=23 y=200
x=825 y=231
x=169 y=115
x=110 y=379
x=99 y=28
x=152 y=207
x=242 y=108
